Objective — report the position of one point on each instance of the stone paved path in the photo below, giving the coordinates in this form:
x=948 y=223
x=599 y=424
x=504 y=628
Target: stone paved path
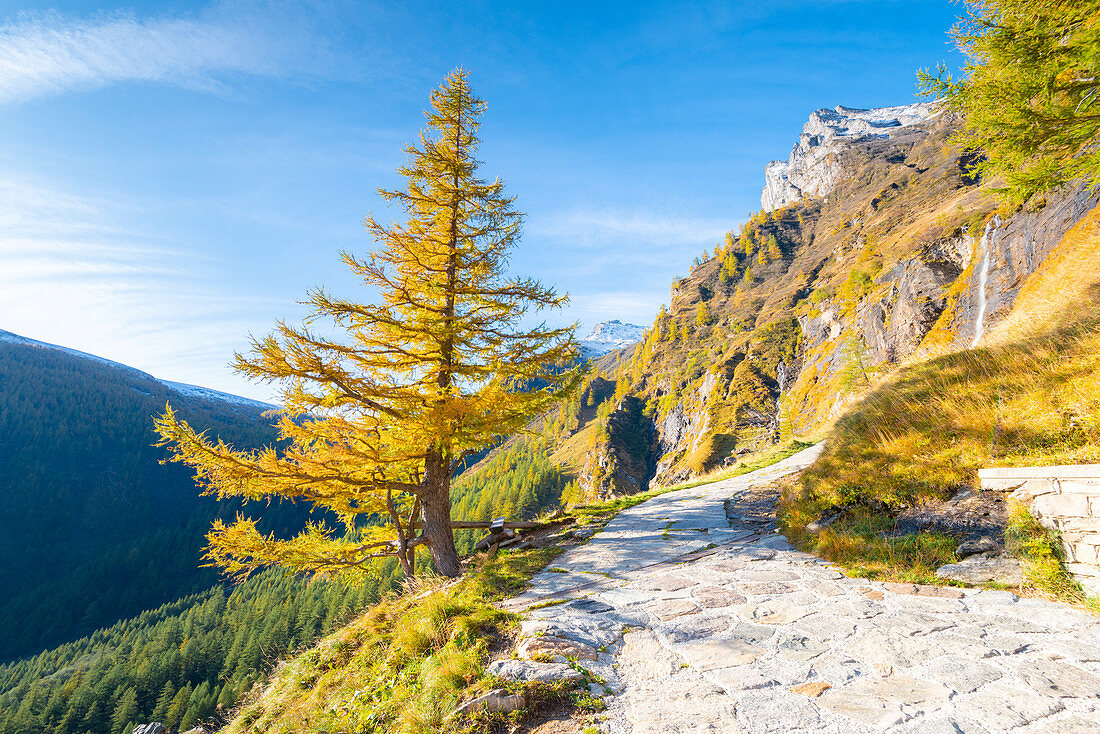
x=700 y=623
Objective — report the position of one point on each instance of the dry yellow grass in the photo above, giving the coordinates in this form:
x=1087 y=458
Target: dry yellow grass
x=1030 y=395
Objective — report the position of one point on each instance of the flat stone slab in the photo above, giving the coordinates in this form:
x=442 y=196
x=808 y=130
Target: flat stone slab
x=977 y=570
x=716 y=596
x=883 y=702
x=747 y=635
x=1056 y=678
x=767 y=588
x=730 y=566
x=962 y=675
x=664 y=583
x=533 y=672
x=713 y=654
x=590 y=606
x=1004 y=707
x=666 y=610
x=773 y=612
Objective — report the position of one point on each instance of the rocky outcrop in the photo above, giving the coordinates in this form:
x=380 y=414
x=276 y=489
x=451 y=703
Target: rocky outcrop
x=816 y=163
x=624 y=462
x=1017 y=247
x=894 y=325
x=877 y=245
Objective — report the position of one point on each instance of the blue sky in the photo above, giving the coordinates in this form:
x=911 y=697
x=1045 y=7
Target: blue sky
x=175 y=176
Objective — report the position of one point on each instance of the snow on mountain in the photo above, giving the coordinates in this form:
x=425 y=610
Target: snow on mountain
x=7 y=336
x=177 y=387
x=608 y=336
x=196 y=391
x=813 y=167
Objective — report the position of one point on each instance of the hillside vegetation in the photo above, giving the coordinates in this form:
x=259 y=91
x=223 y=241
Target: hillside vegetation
x=404 y=666
x=181 y=663
x=94 y=528
x=1029 y=395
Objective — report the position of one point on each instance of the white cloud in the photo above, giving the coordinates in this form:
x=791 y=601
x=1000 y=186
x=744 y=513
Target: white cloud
x=598 y=228
x=69 y=275
x=46 y=54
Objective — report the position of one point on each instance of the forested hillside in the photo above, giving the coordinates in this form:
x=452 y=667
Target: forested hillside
x=94 y=528
x=182 y=663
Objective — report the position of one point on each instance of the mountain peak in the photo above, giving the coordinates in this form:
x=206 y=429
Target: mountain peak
x=607 y=336
x=812 y=168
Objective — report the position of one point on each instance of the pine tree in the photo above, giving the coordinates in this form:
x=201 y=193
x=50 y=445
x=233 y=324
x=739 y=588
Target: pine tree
x=160 y=711
x=178 y=707
x=126 y=711
x=702 y=314
x=774 y=252
x=1030 y=91
x=377 y=424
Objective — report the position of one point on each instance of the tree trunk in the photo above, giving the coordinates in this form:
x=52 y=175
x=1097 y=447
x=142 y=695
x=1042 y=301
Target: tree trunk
x=435 y=509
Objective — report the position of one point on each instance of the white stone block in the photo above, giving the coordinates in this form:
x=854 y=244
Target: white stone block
x=1085 y=553
x=1079 y=485
x=1061 y=505
x=1090 y=471
x=1078 y=525
x=1083 y=570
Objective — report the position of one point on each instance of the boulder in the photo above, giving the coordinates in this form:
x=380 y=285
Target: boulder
x=498 y=700
x=550 y=646
x=154 y=728
x=974 y=546
x=529 y=671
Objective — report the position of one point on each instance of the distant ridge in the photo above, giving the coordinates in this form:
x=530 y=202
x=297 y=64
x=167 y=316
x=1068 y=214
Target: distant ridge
x=181 y=388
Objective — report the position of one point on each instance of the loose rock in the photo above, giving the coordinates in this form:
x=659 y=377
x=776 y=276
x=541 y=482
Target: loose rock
x=533 y=672
x=550 y=646
x=498 y=700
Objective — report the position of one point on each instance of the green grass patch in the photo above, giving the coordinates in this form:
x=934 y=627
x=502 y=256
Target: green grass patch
x=864 y=547
x=1040 y=551
x=405 y=665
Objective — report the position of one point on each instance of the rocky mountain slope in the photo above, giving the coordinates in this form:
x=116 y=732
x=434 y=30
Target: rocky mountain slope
x=813 y=168
x=876 y=245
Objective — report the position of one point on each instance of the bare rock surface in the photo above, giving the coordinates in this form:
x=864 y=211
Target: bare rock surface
x=814 y=166
x=498 y=700
x=533 y=672
x=696 y=630
x=977 y=569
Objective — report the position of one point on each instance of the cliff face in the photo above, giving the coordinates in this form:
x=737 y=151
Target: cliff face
x=875 y=246
x=815 y=163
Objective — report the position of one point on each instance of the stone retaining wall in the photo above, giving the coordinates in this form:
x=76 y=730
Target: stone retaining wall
x=1063 y=498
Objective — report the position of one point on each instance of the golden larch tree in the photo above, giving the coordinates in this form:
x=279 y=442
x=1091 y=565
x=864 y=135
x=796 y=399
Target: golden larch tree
x=377 y=421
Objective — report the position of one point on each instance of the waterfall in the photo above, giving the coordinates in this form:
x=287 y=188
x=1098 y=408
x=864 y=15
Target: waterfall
x=987 y=243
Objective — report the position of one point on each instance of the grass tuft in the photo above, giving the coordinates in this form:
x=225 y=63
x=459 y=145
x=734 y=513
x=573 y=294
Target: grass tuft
x=1040 y=550
x=403 y=666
